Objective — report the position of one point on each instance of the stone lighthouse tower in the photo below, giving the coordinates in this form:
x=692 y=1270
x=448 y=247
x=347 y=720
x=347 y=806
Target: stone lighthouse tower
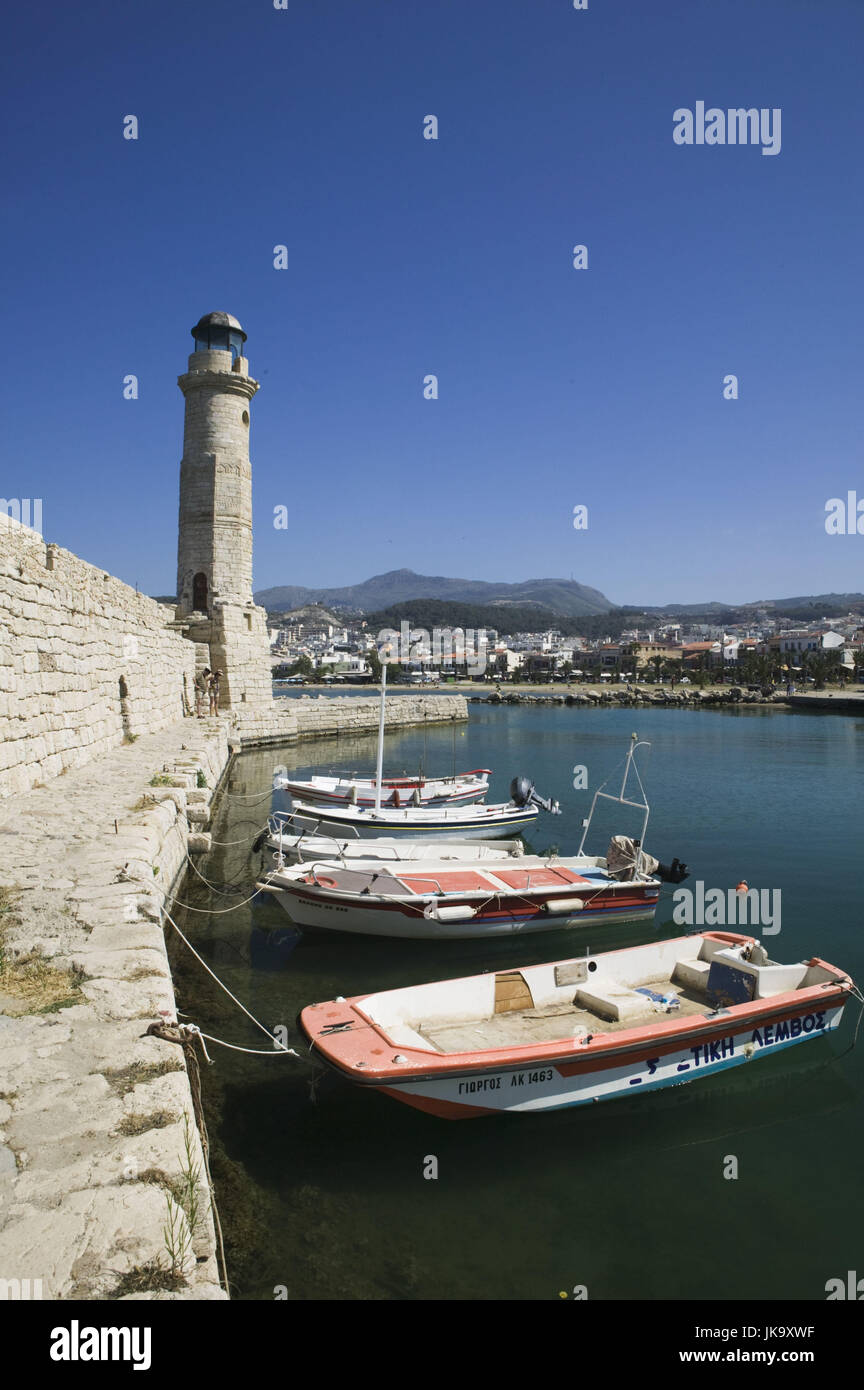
x=214 y=554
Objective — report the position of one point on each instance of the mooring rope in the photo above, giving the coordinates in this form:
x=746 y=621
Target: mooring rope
x=279 y=1046
x=250 y=796
x=230 y=844
x=184 y=1036
x=215 y=887
x=187 y=907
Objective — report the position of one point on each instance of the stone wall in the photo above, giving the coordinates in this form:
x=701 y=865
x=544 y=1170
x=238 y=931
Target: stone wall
x=285 y=720
x=85 y=661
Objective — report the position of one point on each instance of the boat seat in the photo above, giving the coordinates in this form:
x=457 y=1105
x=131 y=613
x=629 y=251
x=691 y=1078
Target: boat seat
x=612 y=1001
x=692 y=974
x=405 y=1036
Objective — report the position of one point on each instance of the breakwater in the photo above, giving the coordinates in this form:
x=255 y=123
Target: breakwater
x=732 y=695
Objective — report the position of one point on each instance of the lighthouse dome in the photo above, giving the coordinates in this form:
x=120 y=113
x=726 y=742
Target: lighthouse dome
x=219 y=333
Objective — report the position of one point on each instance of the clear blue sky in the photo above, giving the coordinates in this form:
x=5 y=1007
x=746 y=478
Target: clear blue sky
x=408 y=257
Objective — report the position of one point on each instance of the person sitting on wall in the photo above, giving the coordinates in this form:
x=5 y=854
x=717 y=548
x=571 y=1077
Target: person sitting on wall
x=202 y=681
x=213 y=686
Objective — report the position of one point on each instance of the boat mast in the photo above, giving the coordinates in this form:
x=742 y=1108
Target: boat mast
x=378 y=773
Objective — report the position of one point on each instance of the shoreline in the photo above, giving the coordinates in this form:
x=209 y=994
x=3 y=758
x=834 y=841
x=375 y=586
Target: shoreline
x=838 y=699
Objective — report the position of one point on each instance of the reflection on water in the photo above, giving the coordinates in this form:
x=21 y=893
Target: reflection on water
x=627 y=1197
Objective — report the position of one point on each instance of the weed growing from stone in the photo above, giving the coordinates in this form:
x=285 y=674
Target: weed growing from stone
x=131 y=1125
x=125 y=1079
x=147 y=1278
x=30 y=977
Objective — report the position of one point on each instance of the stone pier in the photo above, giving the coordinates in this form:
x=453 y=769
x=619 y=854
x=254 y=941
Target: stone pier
x=96 y=1118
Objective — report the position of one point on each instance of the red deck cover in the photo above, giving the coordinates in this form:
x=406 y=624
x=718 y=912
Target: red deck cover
x=538 y=878
x=451 y=881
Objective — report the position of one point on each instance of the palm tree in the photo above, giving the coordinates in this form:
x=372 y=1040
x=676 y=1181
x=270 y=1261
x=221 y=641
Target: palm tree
x=373 y=661
x=817 y=665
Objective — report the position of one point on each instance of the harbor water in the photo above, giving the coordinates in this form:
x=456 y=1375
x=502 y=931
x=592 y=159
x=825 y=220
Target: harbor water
x=743 y=1185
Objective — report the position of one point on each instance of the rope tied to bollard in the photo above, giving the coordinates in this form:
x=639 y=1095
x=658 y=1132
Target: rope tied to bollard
x=184 y=1035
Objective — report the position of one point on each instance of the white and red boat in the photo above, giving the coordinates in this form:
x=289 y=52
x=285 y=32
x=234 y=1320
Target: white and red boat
x=546 y=1037
x=433 y=899
x=463 y=789
x=349 y=790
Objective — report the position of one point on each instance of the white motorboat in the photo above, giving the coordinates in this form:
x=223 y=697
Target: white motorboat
x=285 y=843
x=460 y=790
x=479 y=822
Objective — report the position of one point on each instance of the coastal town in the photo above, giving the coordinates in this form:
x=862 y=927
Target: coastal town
x=313 y=645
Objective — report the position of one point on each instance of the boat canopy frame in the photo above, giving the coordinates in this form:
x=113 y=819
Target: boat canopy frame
x=621 y=798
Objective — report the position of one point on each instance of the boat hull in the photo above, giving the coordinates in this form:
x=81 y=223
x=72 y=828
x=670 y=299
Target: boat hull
x=370 y=826
x=302 y=849
x=559 y=1034
x=331 y=912
x=559 y=1085
x=465 y=789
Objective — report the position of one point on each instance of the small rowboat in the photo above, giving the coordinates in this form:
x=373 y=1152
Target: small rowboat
x=459 y=790
x=432 y=899
x=546 y=1037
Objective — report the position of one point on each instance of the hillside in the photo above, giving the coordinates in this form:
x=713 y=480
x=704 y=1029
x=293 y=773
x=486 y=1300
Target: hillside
x=562 y=596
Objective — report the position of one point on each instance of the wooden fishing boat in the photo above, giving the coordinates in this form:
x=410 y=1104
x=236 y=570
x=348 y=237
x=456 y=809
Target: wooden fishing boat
x=546 y=1037
x=432 y=899
x=462 y=789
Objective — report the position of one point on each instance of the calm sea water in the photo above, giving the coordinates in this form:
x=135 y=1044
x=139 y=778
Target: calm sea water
x=327 y=1197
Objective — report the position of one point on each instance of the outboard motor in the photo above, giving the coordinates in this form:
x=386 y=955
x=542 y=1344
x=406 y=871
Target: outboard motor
x=625 y=858
x=522 y=793
x=675 y=872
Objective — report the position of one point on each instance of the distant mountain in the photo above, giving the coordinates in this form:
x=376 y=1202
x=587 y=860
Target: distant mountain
x=843 y=601
x=556 y=596
x=563 y=596
x=816 y=605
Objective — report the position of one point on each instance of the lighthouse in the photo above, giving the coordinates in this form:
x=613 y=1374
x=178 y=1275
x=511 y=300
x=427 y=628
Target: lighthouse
x=214 y=552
